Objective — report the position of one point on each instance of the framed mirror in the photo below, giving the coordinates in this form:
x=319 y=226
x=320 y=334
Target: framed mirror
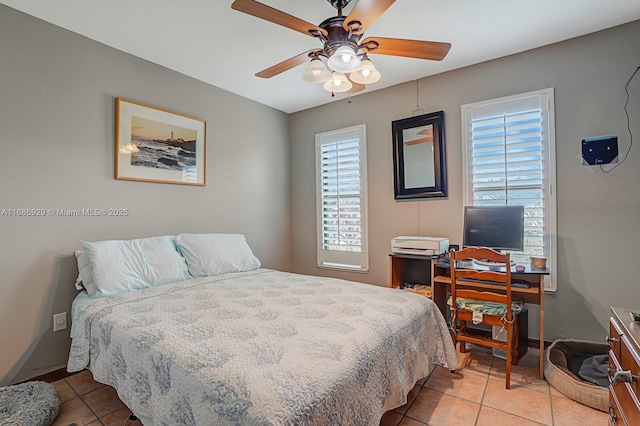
x=419 y=162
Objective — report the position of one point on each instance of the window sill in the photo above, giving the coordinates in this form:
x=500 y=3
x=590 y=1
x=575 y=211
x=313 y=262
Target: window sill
x=344 y=268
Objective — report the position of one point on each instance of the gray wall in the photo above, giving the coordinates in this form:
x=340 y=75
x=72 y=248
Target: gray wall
x=598 y=214
x=57 y=124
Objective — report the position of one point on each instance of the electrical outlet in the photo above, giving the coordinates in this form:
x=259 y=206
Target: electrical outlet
x=60 y=321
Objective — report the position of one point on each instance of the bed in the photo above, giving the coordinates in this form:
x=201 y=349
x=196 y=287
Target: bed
x=259 y=347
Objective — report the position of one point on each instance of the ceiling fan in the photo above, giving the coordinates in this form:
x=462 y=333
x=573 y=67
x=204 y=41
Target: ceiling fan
x=349 y=67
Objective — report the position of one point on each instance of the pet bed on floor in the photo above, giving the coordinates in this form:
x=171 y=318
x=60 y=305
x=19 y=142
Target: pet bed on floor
x=31 y=403
x=573 y=367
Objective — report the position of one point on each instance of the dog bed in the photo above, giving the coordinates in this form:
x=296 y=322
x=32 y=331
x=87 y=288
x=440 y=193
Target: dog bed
x=31 y=403
x=573 y=367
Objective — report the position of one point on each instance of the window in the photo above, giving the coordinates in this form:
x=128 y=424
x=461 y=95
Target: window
x=341 y=196
x=509 y=159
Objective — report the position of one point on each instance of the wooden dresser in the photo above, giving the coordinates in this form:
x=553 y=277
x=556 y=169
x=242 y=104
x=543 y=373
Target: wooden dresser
x=624 y=368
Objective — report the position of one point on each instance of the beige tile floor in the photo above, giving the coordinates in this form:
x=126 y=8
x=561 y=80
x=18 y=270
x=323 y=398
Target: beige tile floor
x=474 y=395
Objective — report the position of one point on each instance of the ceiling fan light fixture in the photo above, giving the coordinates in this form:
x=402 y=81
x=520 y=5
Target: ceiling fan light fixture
x=316 y=72
x=338 y=83
x=366 y=74
x=344 y=60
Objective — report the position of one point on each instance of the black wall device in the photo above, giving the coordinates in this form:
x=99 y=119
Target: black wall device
x=600 y=150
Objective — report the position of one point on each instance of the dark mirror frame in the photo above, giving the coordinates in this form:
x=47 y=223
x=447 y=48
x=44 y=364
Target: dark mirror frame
x=401 y=192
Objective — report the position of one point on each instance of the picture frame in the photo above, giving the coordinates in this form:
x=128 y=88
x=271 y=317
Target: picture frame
x=158 y=145
x=419 y=160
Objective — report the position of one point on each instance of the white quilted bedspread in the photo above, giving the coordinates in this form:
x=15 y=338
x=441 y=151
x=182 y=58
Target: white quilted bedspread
x=262 y=348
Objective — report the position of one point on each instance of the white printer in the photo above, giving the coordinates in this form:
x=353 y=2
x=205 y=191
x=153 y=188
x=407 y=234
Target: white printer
x=425 y=246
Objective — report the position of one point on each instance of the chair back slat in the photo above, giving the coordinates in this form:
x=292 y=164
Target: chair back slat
x=485 y=296
x=499 y=277
x=480 y=253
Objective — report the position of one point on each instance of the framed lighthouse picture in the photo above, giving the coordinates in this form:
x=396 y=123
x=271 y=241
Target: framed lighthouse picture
x=157 y=145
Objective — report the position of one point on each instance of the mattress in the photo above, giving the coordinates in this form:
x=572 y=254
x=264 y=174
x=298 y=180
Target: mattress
x=260 y=348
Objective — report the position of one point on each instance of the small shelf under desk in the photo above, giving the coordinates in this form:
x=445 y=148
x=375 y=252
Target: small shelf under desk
x=411 y=269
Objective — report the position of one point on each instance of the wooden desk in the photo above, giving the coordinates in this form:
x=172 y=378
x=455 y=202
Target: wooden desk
x=441 y=283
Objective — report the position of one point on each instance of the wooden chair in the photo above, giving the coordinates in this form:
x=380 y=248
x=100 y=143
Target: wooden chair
x=485 y=291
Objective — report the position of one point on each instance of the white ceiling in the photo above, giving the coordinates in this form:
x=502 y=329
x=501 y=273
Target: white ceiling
x=207 y=40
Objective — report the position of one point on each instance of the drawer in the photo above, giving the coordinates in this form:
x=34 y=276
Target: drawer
x=614 y=410
x=630 y=361
x=614 y=337
x=624 y=396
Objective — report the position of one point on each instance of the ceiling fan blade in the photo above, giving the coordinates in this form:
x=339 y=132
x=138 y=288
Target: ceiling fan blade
x=366 y=12
x=270 y=14
x=356 y=87
x=431 y=50
x=287 y=65
x=419 y=141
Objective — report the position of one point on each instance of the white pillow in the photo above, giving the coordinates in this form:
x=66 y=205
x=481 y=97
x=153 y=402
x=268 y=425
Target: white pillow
x=84 y=281
x=119 y=266
x=215 y=254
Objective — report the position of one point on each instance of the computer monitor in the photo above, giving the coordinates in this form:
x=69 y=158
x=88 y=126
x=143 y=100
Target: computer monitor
x=496 y=227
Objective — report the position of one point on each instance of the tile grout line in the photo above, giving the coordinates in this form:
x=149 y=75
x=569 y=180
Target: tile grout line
x=553 y=420
x=404 y=415
x=484 y=391
x=516 y=415
x=86 y=403
x=83 y=401
x=422 y=387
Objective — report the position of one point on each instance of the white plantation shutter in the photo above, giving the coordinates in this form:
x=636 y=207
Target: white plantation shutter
x=510 y=160
x=340 y=173
x=506 y=169
x=341 y=199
